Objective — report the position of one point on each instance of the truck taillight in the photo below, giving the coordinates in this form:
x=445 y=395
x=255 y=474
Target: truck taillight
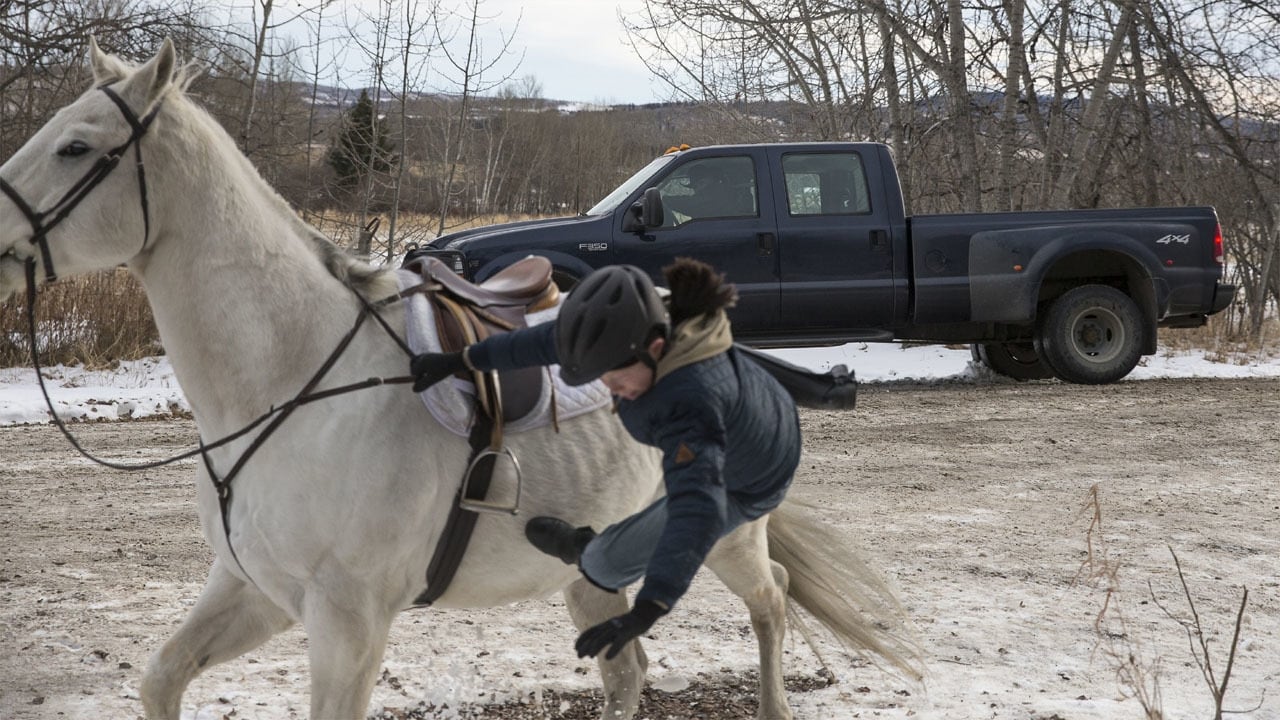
x=1219 y=255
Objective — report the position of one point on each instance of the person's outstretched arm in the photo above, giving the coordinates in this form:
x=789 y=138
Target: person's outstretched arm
x=527 y=347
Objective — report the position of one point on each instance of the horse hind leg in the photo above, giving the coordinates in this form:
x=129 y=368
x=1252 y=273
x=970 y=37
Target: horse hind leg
x=741 y=561
x=624 y=675
x=230 y=618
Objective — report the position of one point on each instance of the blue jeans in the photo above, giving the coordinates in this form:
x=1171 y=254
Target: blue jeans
x=619 y=556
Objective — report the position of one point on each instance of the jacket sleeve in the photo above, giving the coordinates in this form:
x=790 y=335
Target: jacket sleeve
x=692 y=439
x=526 y=347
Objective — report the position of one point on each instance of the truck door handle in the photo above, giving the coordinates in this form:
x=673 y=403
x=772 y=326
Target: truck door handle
x=879 y=240
x=765 y=242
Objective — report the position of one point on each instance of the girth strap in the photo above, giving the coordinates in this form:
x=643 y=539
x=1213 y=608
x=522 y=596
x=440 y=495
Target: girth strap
x=453 y=542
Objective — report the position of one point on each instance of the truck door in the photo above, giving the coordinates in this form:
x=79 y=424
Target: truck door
x=714 y=213
x=835 y=248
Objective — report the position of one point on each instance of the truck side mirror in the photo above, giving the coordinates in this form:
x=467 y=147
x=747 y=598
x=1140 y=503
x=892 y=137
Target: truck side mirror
x=652 y=214
x=645 y=213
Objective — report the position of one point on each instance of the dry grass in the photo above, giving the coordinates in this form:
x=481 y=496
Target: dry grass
x=1223 y=342
x=95 y=320
x=419 y=229
x=1137 y=675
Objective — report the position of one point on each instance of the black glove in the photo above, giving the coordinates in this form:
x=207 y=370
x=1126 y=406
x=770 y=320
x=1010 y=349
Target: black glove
x=430 y=368
x=843 y=393
x=619 y=631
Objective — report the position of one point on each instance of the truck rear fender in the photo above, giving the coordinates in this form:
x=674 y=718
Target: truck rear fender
x=1013 y=272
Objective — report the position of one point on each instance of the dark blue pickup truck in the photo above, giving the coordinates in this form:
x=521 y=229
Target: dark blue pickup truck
x=815 y=237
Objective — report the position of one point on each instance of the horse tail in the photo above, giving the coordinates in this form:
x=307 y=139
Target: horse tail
x=832 y=583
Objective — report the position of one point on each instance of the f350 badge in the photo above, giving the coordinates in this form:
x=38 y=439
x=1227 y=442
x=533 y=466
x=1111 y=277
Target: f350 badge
x=1170 y=239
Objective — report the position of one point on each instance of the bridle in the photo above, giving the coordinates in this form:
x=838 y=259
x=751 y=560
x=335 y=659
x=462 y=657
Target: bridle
x=87 y=182
x=273 y=417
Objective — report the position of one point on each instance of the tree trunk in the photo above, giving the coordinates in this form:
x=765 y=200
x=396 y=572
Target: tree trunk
x=1009 y=143
x=259 y=49
x=1146 y=152
x=969 y=182
x=894 y=102
x=1081 y=161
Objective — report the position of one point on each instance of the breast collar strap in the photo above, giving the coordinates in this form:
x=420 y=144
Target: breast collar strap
x=96 y=174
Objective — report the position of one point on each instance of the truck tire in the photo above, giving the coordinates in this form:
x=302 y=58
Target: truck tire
x=1017 y=360
x=564 y=279
x=1091 y=335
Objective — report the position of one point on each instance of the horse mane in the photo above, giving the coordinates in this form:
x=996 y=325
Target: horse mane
x=366 y=279
x=361 y=277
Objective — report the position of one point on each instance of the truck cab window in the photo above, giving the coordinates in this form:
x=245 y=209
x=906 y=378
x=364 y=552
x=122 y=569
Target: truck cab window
x=719 y=187
x=826 y=184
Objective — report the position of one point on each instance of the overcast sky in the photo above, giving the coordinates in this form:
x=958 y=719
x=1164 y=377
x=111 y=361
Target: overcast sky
x=577 y=50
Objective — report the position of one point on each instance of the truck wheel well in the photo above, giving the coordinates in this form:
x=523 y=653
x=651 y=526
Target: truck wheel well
x=1102 y=267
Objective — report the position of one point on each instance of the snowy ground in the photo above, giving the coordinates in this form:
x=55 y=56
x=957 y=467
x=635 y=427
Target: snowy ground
x=970 y=496
x=147 y=388
x=968 y=490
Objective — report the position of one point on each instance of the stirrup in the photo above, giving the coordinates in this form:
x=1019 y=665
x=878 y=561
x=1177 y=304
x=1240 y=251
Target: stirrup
x=479 y=506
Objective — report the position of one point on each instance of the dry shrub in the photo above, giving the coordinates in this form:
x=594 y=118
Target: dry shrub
x=416 y=228
x=95 y=320
x=102 y=318
x=1138 y=676
x=1224 y=342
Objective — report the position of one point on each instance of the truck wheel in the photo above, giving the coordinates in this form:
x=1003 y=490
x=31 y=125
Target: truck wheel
x=563 y=280
x=1016 y=360
x=1091 y=335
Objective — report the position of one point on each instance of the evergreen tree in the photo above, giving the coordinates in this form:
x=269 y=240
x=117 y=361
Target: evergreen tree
x=362 y=145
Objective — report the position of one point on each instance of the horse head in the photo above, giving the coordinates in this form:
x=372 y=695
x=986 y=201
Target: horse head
x=74 y=196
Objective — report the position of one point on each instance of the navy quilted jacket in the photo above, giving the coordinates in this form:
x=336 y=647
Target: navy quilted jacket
x=726 y=429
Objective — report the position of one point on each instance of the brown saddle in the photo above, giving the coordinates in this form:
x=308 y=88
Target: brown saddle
x=466 y=313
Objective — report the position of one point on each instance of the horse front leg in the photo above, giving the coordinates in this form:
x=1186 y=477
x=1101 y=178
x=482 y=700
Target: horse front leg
x=624 y=675
x=741 y=561
x=347 y=635
x=230 y=618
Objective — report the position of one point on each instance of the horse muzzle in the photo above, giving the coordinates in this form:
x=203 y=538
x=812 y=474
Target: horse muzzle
x=12 y=273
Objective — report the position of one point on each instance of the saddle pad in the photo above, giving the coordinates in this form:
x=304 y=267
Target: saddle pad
x=452 y=402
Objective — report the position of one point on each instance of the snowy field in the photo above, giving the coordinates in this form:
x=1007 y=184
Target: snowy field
x=147 y=388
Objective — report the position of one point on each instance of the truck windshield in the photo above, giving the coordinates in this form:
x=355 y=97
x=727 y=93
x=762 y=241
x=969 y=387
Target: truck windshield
x=611 y=201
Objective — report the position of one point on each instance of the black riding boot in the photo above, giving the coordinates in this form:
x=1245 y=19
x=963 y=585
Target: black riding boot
x=558 y=538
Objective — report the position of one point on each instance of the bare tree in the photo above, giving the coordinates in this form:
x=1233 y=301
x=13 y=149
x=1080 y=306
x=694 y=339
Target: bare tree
x=322 y=62
x=414 y=45
x=471 y=70
x=43 y=45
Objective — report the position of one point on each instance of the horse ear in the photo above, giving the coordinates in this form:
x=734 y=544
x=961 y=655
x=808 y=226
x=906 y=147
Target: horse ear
x=152 y=79
x=106 y=69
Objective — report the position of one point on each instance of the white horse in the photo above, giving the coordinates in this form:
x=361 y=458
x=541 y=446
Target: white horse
x=332 y=520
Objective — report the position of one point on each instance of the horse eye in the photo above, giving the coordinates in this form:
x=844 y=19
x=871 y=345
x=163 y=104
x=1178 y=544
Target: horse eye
x=73 y=149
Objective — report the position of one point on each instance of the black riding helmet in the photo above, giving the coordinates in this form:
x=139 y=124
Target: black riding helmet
x=607 y=321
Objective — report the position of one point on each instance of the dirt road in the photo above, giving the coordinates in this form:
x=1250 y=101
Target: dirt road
x=974 y=499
